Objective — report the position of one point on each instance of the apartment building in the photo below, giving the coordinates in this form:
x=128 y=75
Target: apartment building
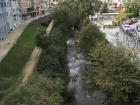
x=6 y=19
x=40 y=6
x=15 y=11
x=25 y=8
x=37 y=6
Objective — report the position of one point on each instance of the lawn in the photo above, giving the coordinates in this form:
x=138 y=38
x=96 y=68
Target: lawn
x=12 y=65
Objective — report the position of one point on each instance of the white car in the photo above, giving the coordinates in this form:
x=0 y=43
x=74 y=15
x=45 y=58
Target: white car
x=126 y=27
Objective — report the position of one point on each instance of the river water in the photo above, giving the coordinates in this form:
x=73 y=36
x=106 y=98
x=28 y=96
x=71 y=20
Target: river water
x=76 y=63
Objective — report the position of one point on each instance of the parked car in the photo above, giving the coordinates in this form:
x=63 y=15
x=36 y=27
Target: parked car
x=134 y=20
x=130 y=22
x=128 y=33
x=126 y=26
x=138 y=28
x=131 y=32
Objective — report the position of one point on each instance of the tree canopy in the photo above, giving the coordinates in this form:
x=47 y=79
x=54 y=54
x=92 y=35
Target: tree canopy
x=38 y=91
x=132 y=7
x=89 y=34
x=104 y=8
x=114 y=72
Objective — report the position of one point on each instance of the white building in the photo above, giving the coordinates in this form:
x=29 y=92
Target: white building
x=6 y=19
x=115 y=1
x=15 y=11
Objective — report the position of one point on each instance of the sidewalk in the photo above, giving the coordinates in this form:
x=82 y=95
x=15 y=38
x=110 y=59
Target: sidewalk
x=109 y=33
x=7 y=43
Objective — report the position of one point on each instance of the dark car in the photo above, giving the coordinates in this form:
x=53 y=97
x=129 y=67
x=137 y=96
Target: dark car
x=131 y=32
x=128 y=33
x=132 y=21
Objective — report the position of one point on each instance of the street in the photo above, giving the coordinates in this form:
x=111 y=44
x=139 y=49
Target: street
x=132 y=44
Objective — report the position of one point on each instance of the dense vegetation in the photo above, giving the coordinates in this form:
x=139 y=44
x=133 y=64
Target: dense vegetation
x=104 y=8
x=39 y=90
x=112 y=70
x=88 y=36
x=132 y=7
x=53 y=60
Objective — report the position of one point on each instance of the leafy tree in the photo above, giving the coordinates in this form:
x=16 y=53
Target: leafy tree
x=132 y=7
x=41 y=39
x=53 y=59
x=38 y=91
x=89 y=34
x=70 y=13
x=66 y=15
x=104 y=8
x=114 y=72
x=122 y=16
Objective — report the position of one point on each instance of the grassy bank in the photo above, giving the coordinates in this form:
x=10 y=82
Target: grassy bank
x=12 y=65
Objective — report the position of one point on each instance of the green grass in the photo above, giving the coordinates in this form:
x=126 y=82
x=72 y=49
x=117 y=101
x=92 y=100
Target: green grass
x=12 y=65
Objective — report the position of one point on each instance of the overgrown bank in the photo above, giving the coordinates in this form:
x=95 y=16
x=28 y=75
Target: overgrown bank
x=12 y=65
x=113 y=70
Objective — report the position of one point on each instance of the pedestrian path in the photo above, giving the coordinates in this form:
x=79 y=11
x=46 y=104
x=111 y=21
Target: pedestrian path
x=30 y=65
x=110 y=34
x=7 y=43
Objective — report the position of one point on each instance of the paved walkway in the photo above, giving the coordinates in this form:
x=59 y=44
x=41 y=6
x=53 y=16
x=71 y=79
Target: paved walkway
x=110 y=33
x=30 y=65
x=10 y=40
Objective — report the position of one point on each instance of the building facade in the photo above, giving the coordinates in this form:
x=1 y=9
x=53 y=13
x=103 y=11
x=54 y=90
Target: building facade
x=15 y=11
x=6 y=19
x=115 y=1
x=25 y=8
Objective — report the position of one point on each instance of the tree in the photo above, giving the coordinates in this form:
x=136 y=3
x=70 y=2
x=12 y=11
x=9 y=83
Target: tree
x=122 y=16
x=114 y=72
x=89 y=34
x=67 y=15
x=38 y=91
x=104 y=8
x=53 y=60
x=41 y=39
x=133 y=7
x=70 y=13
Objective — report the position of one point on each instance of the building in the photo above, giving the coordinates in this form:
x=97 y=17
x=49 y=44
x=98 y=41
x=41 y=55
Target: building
x=52 y=3
x=37 y=7
x=15 y=11
x=115 y=1
x=25 y=8
x=45 y=5
x=6 y=19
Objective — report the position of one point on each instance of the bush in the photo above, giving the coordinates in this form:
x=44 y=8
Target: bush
x=69 y=96
x=114 y=72
x=53 y=60
x=38 y=91
x=41 y=39
x=89 y=34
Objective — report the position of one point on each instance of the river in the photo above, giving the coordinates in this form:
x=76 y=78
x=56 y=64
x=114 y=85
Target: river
x=76 y=63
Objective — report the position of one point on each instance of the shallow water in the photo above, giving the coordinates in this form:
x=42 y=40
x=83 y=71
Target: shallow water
x=76 y=63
